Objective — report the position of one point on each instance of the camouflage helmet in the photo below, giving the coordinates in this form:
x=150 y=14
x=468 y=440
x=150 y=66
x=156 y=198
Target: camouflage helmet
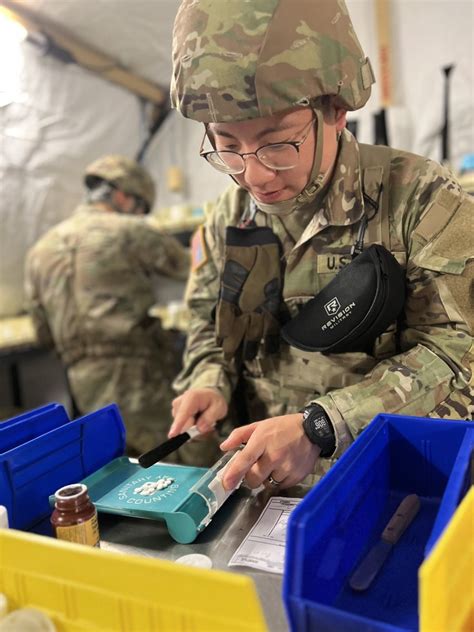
x=244 y=59
x=124 y=174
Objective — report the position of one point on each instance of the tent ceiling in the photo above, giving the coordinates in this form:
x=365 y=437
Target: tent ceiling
x=137 y=34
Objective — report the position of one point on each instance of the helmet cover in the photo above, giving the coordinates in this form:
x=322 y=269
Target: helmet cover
x=245 y=59
x=124 y=174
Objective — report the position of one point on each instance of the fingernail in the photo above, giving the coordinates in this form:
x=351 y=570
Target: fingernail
x=228 y=483
x=171 y=432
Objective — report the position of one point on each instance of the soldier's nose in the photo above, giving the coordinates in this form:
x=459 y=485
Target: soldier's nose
x=256 y=173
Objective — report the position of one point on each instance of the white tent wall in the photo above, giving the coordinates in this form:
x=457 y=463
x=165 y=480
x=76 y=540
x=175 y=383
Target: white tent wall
x=59 y=119
x=55 y=118
x=426 y=36
x=177 y=144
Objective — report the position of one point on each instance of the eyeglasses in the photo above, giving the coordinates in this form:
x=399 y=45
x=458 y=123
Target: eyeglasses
x=276 y=156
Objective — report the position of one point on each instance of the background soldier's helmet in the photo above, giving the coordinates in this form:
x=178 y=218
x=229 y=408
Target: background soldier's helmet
x=124 y=174
x=242 y=59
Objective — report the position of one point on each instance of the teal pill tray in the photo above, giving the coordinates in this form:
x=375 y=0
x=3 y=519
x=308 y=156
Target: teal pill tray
x=186 y=505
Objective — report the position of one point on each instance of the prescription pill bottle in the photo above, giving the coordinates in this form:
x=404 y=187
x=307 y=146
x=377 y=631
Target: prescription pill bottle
x=75 y=517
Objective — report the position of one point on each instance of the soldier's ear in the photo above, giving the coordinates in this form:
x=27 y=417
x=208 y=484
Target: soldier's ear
x=118 y=197
x=340 y=118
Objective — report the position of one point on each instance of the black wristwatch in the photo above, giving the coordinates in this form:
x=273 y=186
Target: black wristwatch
x=319 y=429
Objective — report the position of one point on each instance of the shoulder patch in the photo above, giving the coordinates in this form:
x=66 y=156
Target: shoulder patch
x=199 y=254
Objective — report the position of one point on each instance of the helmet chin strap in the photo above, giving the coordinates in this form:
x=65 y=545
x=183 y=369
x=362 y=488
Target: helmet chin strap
x=316 y=178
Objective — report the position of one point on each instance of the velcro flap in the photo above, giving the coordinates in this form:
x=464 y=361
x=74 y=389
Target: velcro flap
x=437 y=214
x=368 y=77
x=450 y=242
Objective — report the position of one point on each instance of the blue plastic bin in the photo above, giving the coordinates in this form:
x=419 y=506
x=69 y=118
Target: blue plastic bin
x=51 y=409
x=43 y=450
x=23 y=428
x=337 y=523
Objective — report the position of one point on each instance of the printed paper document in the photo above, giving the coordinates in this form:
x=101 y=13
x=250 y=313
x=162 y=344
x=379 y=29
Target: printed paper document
x=264 y=545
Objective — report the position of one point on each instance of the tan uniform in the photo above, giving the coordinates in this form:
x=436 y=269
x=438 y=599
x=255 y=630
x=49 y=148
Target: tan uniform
x=421 y=367
x=88 y=281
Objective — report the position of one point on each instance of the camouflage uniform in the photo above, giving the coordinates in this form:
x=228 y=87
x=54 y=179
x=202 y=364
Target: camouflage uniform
x=246 y=64
x=424 y=368
x=89 y=288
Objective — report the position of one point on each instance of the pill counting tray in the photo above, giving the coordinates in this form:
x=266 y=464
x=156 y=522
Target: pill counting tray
x=186 y=505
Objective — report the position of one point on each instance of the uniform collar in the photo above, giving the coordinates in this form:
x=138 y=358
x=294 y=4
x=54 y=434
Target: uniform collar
x=91 y=207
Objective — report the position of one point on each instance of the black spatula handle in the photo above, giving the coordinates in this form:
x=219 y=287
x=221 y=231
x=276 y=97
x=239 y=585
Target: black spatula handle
x=150 y=458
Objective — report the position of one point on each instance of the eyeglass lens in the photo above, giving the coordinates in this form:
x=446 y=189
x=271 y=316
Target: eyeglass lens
x=279 y=156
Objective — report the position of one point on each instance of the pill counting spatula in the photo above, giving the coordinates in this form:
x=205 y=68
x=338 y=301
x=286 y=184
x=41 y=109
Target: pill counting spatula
x=147 y=459
x=373 y=561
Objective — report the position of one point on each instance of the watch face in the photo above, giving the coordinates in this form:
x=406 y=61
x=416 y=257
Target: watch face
x=320 y=425
x=319 y=429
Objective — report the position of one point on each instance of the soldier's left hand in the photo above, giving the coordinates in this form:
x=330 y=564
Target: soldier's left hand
x=276 y=447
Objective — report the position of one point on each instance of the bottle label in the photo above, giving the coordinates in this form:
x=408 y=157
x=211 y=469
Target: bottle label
x=84 y=533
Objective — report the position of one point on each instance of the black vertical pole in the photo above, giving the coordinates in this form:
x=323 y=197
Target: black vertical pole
x=380 y=128
x=352 y=127
x=445 y=154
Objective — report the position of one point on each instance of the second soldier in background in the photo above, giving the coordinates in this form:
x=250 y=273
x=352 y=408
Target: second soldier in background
x=89 y=282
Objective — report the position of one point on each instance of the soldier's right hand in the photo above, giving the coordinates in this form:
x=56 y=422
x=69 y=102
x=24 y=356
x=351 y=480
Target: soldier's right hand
x=201 y=406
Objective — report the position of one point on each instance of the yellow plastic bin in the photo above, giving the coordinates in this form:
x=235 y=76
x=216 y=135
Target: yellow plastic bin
x=86 y=589
x=446 y=578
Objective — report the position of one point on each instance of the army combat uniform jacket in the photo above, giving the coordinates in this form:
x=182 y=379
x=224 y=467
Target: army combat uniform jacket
x=421 y=365
x=89 y=283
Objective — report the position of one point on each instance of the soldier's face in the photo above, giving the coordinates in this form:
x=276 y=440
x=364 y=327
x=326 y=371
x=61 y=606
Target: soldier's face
x=270 y=185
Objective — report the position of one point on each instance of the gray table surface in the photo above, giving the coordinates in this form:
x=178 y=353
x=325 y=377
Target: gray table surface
x=218 y=541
